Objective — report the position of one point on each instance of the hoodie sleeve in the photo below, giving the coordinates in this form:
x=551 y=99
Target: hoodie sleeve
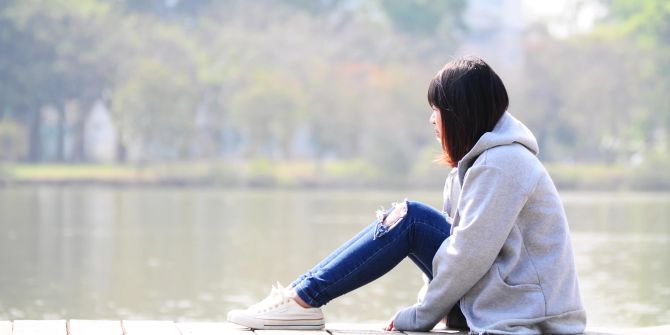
x=489 y=204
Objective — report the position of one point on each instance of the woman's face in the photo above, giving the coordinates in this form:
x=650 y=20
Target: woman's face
x=436 y=121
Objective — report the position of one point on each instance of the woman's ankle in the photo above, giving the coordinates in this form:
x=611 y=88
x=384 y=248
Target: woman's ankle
x=299 y=300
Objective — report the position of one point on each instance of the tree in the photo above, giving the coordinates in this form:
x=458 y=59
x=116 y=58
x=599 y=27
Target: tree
x=13 y=141
x=269 y=110
x=53 y=54
x=644 y=28
x=154 y=109
x=425 y=16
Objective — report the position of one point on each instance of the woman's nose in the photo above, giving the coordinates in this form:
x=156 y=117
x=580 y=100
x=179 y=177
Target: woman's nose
x=432 y=118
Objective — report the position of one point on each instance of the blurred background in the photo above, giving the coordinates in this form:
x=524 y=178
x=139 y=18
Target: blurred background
x=171 y=159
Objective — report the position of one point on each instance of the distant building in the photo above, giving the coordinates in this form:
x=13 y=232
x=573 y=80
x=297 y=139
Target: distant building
x=100 y=135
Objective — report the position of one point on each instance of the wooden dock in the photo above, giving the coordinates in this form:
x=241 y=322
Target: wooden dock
x=137 y=327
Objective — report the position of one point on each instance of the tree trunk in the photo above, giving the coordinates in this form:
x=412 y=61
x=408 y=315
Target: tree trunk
x=60 y=135
x=121 y=151
x=35 y=140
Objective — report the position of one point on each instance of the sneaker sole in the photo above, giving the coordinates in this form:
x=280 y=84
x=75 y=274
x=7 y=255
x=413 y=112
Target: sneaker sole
x=293 y=327
x=254 y=323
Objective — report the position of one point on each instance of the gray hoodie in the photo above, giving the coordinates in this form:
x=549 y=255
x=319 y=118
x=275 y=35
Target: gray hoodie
x=509 y=260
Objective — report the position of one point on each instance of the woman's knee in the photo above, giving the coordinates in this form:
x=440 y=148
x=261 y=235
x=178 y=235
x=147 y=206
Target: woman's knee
x=397 y=212
x=407 y=212
x=405 y=208
x=425 y=213
x=389 y=219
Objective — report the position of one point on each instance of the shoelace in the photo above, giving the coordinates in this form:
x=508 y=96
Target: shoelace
x=278 y=296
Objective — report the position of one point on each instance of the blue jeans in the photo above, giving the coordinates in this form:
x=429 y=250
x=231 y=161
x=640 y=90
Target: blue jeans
x=365 y=258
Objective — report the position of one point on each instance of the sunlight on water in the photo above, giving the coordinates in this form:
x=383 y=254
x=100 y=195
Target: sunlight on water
x=193 y=254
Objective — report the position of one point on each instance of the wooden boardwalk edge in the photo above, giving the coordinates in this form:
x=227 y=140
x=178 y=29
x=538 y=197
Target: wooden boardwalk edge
x=142 y=327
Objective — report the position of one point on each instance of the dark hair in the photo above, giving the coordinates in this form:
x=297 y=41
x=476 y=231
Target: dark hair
x=471 y=99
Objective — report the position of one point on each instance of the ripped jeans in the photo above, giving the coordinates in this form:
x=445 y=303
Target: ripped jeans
x=376 y=250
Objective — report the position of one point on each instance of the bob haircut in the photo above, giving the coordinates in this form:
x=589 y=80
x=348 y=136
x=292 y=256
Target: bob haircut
x=471 y=99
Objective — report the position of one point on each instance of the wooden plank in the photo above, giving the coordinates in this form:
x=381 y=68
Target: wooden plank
x=590 y=331
x=440 y=328
x=665 y=329
x=132 y=327
x=39 y=327
x=5 y=328
x=357 y=328
x=94 y=327
x=441 y=331
x=597 y=331
x=137 y=327
x=212 y=328
x=290 y=332
x=649 y=330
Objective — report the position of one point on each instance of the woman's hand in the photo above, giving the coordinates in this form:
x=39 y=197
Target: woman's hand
x=390 y=326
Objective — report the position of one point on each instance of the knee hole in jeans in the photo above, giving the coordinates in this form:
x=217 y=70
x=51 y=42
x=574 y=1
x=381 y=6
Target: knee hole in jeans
x=387 y=220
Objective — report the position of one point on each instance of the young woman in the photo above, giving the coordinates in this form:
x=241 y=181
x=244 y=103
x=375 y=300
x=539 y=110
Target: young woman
x=499 y=254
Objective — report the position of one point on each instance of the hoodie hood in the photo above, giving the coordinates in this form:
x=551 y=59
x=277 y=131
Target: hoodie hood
x=507 y=131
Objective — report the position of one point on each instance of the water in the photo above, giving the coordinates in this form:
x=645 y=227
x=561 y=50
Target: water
x=193 y=254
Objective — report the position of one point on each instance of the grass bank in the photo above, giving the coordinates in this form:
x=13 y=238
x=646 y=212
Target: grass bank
x=304 y=174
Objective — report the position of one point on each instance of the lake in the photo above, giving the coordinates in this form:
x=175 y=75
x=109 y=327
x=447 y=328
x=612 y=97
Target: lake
x=195 y=253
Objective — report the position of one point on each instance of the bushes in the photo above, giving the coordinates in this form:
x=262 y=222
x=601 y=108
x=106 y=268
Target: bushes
x=13 y=141
x=653 y=175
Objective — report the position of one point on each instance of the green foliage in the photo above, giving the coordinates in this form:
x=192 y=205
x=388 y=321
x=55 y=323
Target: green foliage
x=602 y=97
x=269 y=110
x=330 y=81
x=53 y=55
x=648 y=20
x=168 y=8
x=355 y=170
x=13 y=141
x=315 y=7
x=154 y=108
x=646 y=26
x=424 y=16
x=161 y=66
x=260 y=166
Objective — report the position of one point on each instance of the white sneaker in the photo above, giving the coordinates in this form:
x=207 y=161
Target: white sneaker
x=278 y=311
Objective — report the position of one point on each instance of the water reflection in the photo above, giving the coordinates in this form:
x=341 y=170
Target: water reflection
x=193 y=254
